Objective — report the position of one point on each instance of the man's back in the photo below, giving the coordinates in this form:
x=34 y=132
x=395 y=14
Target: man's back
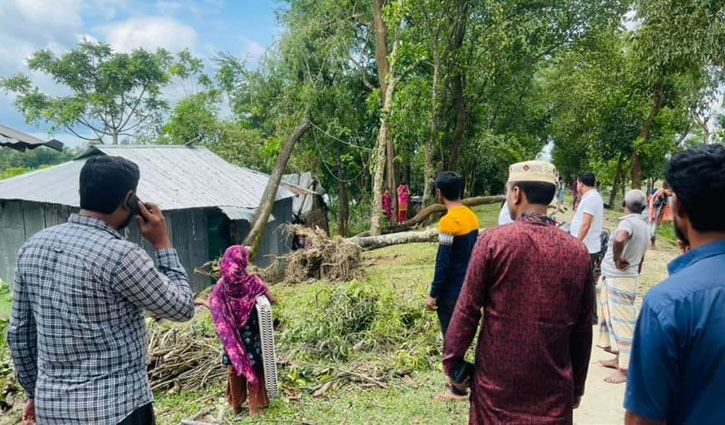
x=534 y=346
x=80 y=288
x=677 y=370
x=591 y=203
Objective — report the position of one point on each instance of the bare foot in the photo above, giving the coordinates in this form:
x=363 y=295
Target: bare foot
x=609 y=350
x=449 y=396
x=612 y=364
x=617 y=377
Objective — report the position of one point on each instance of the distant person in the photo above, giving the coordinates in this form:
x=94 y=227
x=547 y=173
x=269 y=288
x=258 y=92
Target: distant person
x=560 y=194
x=677 y=371
x=621 y=268
x=232 y=305
x=403 y=201
x=387 y=202
x=660 y=210
x=504 y=216
x=588 y=222
x=533 y=282
x=458 y=230
x=77 y=332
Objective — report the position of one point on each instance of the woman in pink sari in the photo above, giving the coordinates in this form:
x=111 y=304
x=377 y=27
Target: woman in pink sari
x=403 y=198
x=232 y=309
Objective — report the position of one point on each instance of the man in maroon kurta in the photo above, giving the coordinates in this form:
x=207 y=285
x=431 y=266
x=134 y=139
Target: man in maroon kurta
x=533 y=282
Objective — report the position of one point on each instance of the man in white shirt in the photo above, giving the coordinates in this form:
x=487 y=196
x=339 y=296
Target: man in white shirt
x=504 y=216
x=588 y=219
x=621 y=268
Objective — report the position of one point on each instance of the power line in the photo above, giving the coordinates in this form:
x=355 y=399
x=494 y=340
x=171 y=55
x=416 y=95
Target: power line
x=338 y=140
x=334 y=175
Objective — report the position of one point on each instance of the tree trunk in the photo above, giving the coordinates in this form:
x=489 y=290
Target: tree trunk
x=615 y=184
x=114 y=138
x=459 y=131
x=378 y=179
x=644 y=135
x=468 y=186
x=432 y=141
x=381 y=46
x=261 y=215
x=440 y=208
x=457 y=87
x=381 y=241
x=344 y=217
x=390 y=171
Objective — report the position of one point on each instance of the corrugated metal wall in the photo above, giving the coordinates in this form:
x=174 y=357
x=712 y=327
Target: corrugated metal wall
x=187 y=228
x=20 y=220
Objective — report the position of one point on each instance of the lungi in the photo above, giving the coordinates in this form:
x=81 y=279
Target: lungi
x=617 y=316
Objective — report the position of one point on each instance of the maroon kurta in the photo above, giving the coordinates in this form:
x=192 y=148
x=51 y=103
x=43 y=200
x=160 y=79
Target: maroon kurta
x=534 y=283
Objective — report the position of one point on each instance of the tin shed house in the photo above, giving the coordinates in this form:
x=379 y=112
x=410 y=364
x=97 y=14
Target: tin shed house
x=208 y=203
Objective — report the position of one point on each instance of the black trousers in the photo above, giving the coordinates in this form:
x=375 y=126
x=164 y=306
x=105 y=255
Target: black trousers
x=446 y=305
x=144 y=415
x=596 y=272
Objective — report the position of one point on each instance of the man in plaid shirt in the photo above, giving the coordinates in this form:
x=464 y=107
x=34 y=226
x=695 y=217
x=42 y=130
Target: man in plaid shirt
x=77 y=332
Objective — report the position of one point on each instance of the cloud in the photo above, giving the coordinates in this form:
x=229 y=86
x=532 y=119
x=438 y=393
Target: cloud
x=253 y=50
x=149 y=33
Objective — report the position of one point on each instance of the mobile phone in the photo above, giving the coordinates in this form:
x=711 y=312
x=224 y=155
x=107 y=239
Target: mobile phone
x=133 y=205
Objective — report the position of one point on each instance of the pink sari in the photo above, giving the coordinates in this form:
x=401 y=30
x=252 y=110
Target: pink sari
x=232 y=302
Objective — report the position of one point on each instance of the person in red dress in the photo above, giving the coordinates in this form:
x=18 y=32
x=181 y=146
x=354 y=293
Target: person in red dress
x=533 y=282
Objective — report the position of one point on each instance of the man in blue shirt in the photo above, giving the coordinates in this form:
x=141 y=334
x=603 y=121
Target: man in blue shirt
x=677 y=366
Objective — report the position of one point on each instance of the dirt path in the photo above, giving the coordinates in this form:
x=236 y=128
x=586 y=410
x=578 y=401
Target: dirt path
x=602 y=402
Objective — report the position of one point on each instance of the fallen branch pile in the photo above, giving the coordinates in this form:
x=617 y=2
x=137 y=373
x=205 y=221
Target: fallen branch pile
x=183 y=357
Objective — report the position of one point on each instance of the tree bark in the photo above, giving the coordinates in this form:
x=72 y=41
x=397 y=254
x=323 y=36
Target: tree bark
x=114 y=138
x=457 y=87
x=644 y=135
x=344 y=218
x=431 y=210
x=617 y=178
x=261 y=215
x=378 y=179
x=459 y=131
x=381 y=46
x=381 y=241
x=432 y=140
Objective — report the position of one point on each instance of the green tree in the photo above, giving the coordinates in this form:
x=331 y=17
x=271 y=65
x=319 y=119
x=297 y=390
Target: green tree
x=111 y=94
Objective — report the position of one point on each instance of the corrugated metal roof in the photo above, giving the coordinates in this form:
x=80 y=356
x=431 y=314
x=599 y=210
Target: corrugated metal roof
x=174 y=177
x=21 y=141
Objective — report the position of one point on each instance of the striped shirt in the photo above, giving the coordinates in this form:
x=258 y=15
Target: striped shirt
x=77 y=333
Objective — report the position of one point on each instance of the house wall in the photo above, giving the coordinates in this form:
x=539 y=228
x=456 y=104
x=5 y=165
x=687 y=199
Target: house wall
x=188 y=230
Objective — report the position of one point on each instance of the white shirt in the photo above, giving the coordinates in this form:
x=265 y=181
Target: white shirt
x=592 y=204
x=634 y=248
x=504 y=217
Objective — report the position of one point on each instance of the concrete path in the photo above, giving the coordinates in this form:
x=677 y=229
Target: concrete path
x=602 y=402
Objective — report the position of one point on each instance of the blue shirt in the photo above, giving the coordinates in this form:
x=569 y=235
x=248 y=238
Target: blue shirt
x=677 y=366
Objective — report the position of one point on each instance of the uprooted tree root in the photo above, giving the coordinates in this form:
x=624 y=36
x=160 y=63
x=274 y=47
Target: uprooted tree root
x=321 y=258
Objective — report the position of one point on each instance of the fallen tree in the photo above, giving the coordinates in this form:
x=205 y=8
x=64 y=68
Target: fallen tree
x=376 y=242
x=437 y=209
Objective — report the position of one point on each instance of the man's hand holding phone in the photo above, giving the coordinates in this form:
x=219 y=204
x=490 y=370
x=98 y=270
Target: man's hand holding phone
x=152 y=224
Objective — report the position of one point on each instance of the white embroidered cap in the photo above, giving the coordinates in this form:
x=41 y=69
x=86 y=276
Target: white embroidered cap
x=533 y=171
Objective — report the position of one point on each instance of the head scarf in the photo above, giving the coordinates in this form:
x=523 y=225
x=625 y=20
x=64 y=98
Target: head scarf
x=232 y=302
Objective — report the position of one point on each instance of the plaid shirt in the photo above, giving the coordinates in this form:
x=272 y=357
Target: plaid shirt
x=77 y=332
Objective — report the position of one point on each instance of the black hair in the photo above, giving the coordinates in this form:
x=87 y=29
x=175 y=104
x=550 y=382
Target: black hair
x=450 y=184
x=540 y=193
x=588 y=178
x=105 y=181
x=697 y=176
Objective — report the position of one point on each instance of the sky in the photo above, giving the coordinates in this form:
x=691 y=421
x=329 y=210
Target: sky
x=244 y=28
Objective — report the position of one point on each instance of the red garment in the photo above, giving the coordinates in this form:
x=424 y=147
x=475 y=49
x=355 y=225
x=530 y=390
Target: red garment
x=388 y=206
x=534 y=282
x=402 y=216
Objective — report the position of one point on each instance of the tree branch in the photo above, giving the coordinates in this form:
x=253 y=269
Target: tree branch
x=133 y=109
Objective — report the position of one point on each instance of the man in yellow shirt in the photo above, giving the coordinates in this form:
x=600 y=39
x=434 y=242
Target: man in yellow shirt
x=458 y=231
